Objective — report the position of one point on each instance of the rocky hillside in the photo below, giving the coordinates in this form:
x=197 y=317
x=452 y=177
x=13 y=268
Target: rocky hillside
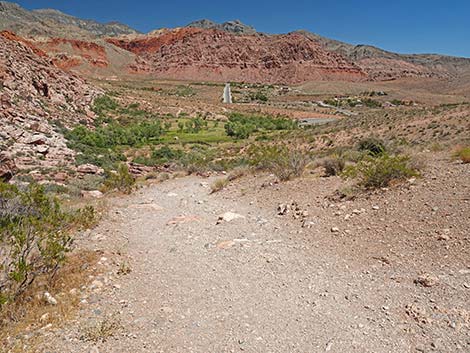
x=221 y=52
x=235 y=27
x=210 y=54
x=36 y=99
x=53 y=23
x=384 y=65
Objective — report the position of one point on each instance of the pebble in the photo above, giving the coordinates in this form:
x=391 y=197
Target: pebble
x=229 y=216
x=444 y=237
x=335 y=230
x=427 y=280
x=96 y=284
x=50 y=299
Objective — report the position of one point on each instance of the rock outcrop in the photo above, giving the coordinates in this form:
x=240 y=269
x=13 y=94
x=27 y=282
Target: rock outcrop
x=214 y=55
x=235 y=26
x=37 y=99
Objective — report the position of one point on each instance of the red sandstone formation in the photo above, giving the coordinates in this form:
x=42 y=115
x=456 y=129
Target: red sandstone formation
x=197 y=54
x=71 y=53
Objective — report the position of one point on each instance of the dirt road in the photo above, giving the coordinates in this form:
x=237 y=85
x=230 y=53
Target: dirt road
x=256 y=283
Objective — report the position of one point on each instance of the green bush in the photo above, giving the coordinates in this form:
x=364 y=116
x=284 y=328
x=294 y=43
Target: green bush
x=380 y=171
x=241 y=126
x=166 y=154
x=121 y=180
x=104 y=104
x=280 y=160
x=333 y=165
x=103 y=146
x=259 y=96
x=195 y=125
x=372 y=146
x=370 y=103
x=34 y=236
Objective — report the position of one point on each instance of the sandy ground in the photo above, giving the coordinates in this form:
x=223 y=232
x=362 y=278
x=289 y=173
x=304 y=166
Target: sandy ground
x=266 y=282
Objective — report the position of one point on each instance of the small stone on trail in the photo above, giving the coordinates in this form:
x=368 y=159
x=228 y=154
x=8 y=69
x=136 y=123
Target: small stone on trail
x=229 y=217
x=226 y=244
x=375 y=207
x=335 y=230
x=427 y=280
x=443 y=237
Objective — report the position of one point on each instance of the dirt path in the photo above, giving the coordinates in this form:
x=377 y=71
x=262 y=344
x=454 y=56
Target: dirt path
x=252 y=284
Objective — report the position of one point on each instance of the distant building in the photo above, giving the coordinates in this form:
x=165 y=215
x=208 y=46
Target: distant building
x=227 y=96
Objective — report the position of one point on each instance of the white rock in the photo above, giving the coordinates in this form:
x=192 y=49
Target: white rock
x=96 y=194
x=230 y=216
x=335 y=230
x=50 y=299
x=44 y=317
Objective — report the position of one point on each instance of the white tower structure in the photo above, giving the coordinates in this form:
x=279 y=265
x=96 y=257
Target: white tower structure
x=227 y=97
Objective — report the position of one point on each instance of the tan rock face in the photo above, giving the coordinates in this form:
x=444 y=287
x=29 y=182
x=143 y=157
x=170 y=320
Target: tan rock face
x=35 y=93
x=192 y=53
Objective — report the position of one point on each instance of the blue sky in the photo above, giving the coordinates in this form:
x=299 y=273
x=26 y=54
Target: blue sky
x=405 y=26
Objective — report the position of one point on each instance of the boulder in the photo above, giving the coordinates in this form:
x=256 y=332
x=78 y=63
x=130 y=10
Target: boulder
x=89 y=169
x=7 y=167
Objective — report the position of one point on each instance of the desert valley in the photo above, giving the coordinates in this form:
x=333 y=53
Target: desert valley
x=326 y=208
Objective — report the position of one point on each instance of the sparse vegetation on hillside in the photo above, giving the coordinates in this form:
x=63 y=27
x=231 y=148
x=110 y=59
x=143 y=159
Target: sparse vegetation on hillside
x=278 y=159
x=241 y=126
x=120 y=180
x=35 y=237
x=381 y=171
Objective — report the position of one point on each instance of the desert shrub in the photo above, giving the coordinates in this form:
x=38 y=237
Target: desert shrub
x=280 y=160
x=463 y=154
x=333 y=165
x=238 y=130
x=370 y=103
x=238 y=172
x=162 y=155
x=197 y=160
x=34 y=236
x=259 y=96
x=372 y=146
x=219 y=185
x=121 y=180
x=380 y=171
x=166 y=154
x=104 y=104
x=195 y=125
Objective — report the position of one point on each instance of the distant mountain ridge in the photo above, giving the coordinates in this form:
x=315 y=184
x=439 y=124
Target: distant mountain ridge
x=53 y=23
x=235 y=26
x=206 y=50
